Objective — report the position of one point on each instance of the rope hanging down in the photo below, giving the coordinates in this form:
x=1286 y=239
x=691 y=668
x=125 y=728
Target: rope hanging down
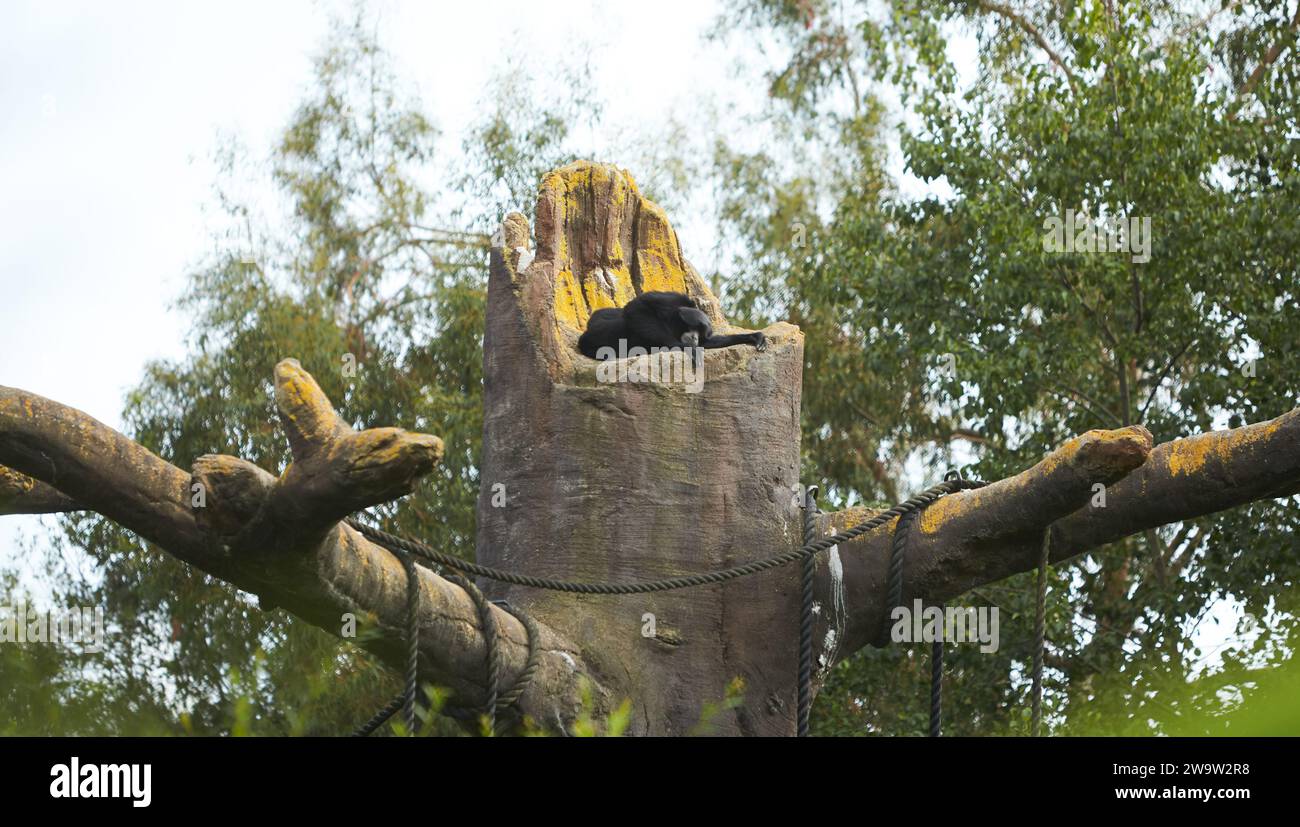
x=406 y=549
x=895 y=598
x=495 y=700
x=907 y=512
x=406 y=698
x=1040 y=632
x=806 y=614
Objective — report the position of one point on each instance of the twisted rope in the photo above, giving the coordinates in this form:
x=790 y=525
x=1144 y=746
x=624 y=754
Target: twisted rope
x=806 y=614
x=511 y=697
x=894 y=598
x=936 y=685
x=412 y=641
x=395 y=543
x=1040 y=633
x=496 y=700
x=382 y=715
x=404 y=700
x=894 y=589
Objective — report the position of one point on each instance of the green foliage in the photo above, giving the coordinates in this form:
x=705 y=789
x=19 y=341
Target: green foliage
x=587 y=725
x=732 y=697
x=1138 y=121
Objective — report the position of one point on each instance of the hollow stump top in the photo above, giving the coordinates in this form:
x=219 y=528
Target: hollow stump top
x=600 y=243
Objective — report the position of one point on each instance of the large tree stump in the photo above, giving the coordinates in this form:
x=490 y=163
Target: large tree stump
x=628 y=481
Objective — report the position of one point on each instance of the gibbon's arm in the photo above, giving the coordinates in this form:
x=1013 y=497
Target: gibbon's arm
x=758 y=340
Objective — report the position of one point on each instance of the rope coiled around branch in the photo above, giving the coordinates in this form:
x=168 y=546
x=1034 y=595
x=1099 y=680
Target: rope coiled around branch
x=496 y=701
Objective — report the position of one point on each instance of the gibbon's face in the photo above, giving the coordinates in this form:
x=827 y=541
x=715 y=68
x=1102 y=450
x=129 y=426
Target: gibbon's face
x=697 y=326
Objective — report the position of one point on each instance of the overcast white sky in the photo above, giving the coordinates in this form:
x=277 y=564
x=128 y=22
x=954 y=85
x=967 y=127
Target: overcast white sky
x=111 y=110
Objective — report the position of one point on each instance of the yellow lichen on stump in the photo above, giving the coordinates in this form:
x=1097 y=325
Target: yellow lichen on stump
x=608 y=242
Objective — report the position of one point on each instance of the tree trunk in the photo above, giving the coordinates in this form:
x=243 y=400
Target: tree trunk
x=625 y=480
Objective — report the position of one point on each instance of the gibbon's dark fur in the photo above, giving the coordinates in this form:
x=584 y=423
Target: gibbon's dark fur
x=659 y=319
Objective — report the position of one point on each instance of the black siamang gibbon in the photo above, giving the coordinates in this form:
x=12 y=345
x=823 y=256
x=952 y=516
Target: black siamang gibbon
x=664 y=320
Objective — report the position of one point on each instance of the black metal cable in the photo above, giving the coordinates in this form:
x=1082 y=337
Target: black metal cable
x=809 y=567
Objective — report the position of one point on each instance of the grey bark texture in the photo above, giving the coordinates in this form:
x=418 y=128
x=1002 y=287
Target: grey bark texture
x=625 y=480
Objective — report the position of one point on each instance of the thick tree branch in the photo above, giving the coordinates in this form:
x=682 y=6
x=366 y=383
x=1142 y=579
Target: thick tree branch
x=280 y=537
x=102 y=471
x=20 y=494
x=977 y=537
x=1189 y=478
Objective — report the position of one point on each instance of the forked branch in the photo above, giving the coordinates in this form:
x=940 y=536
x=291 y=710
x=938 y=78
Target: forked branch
x=280 y=537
